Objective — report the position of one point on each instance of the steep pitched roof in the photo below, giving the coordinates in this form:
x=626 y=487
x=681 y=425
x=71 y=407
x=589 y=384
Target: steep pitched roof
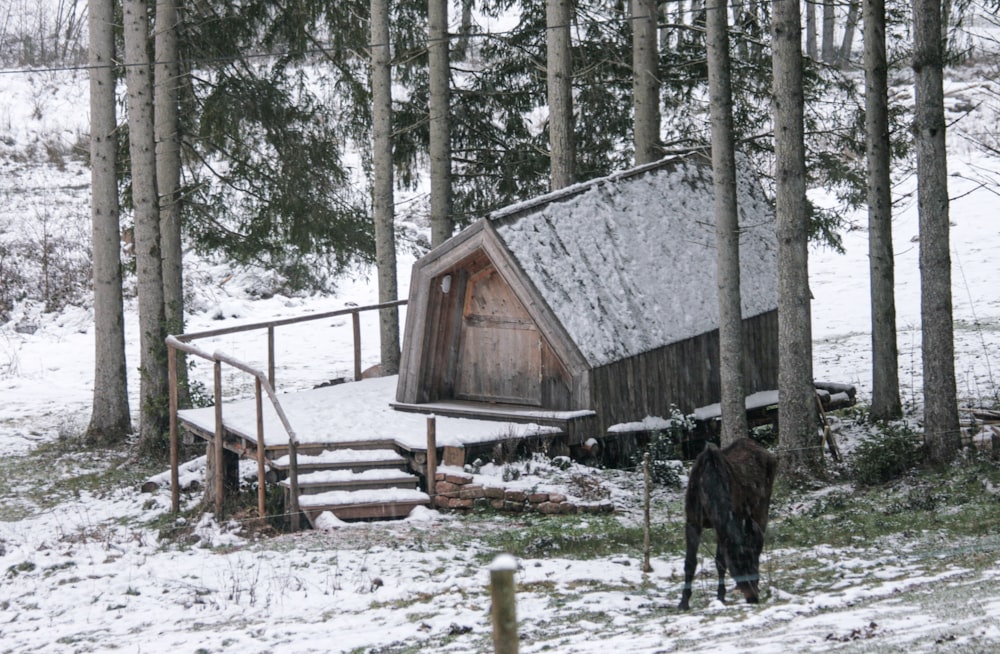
x=627 y=263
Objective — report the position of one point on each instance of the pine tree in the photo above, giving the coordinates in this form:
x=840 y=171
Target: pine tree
x=110 y=421
x=941 y=426
x=885 y=365
x=727 y=229
x=154 y=418
x=800 y=450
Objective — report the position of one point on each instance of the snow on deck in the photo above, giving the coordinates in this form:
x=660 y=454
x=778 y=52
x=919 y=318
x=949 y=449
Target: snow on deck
x=351 y=412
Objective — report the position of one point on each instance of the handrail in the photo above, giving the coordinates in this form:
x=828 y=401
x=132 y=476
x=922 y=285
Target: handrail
x=174 y=343
x=286 y=321
x=265 y=382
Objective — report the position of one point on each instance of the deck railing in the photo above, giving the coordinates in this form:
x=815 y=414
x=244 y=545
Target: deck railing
x=262 y=382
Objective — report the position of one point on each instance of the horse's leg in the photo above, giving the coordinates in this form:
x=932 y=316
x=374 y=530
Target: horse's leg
x=692 y=535
x=720 y=567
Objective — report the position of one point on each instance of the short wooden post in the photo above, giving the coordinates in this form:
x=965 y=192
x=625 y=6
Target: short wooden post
x=293 y=480
x=270 y=356
x=504 y=609
x=432 y=455
x=261 y=495
x=175 y=491
x=647 y=478
x=356 y=320
x=220 y=469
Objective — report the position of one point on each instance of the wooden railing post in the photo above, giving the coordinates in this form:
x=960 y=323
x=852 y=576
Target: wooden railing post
x=647 y=477
x=293 y=478
x=356 y=320
x=431 y=456
x=175 y=492
x=270 y=355
x=220 y=472
x=261 y=495
x=504 y=610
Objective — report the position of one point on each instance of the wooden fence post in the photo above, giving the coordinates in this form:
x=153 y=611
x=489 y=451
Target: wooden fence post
x=356 y=322
x=261 y=489
x=647 y=477
x=432 y=456
x=175 y=491
x=504 y=610
x=220 y=469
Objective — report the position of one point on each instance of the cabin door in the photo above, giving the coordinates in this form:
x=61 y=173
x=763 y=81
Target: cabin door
x=500 y=355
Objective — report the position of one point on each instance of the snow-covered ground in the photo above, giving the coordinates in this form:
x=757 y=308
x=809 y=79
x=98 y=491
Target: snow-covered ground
x=90 y=573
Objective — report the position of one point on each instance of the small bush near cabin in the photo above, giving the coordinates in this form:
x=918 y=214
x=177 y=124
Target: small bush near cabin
x=664 y=449
x=886 y=454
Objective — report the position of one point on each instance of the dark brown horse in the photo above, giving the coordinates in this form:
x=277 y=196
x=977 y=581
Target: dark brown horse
x=730 y=491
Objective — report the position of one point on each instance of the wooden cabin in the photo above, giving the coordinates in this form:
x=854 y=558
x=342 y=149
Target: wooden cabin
x=592 y=306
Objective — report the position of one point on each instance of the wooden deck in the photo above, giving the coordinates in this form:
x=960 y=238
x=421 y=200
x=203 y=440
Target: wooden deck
x=359 y=455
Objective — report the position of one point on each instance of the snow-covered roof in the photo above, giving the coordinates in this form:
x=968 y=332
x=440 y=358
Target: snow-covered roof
x=627 y=263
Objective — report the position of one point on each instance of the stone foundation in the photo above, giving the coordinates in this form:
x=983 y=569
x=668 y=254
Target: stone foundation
x=457 y=491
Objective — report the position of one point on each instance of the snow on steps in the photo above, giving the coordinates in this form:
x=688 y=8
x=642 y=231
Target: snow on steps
x=354 y=484
x=363 y=504
x=322 y=480
x=347 y=458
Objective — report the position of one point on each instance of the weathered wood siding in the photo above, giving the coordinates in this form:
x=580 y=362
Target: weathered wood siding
x=486 y=347
x=684 y=374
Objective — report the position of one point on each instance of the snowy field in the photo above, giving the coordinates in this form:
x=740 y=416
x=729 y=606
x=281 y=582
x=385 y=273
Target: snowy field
x=88 y=572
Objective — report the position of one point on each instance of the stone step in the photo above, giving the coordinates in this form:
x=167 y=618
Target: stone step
x=321 y=481
x=363 y=504
x=344 y=459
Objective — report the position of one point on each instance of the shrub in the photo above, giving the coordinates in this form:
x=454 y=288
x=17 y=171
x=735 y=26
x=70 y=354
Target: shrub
x=664 y=449
x=886 y=454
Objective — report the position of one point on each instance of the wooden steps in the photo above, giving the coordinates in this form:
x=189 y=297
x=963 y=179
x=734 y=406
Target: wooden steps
x=347 y=458
x=354 y=483
x=379 y=504
x=320 y=481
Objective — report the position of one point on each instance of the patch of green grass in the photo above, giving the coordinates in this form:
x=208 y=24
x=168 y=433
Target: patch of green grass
x=955 y=503
x=63 y=470
x=579 y=537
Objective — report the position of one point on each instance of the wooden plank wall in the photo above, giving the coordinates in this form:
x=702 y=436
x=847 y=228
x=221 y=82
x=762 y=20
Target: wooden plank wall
x=684 y=374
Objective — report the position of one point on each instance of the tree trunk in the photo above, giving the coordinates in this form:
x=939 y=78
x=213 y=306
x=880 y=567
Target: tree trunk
x=941 y=427
x=110 y=421
x=850 y=26
x=727 y=230
x=645 y=82
x=464 y=31
x=811 y=50
x=382 y=192
x=154 y=414
x=440 y=131
x=559 y=70
x=885 y=358
x=166 y=74
x=801 y=453
x=829 y=22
